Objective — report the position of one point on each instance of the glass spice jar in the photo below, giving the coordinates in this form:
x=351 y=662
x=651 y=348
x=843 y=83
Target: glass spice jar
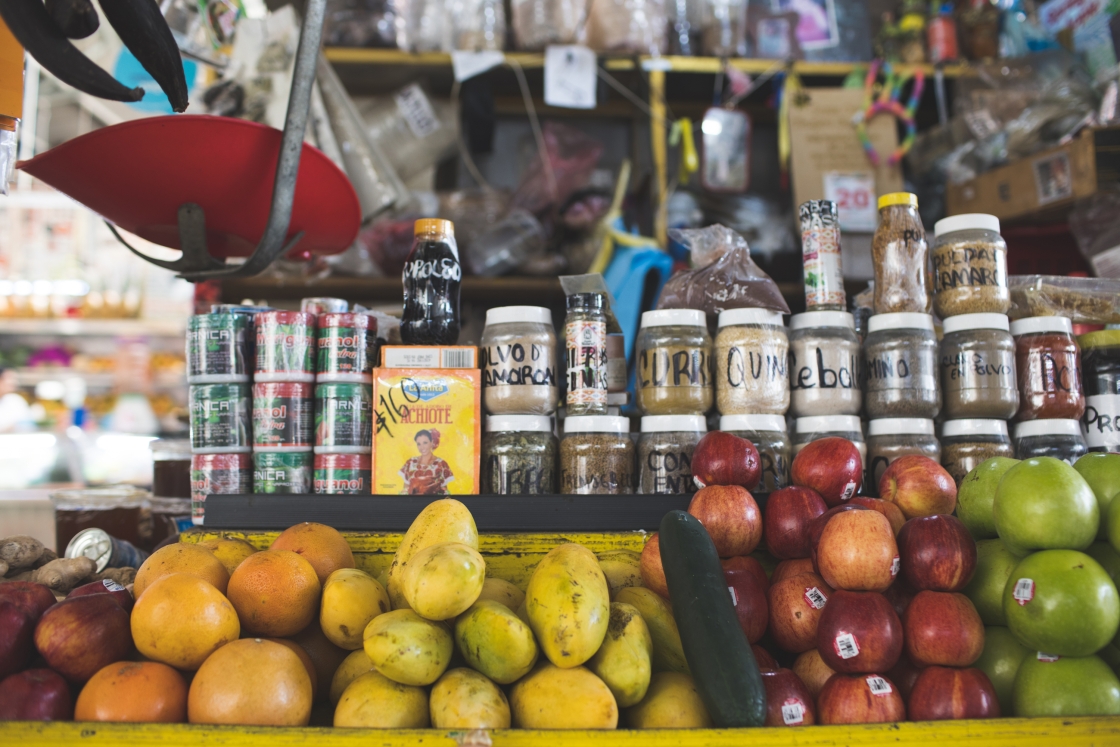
x=674 y=361
x=518 y=361
x=769 y=436
x=596 y=456
x=1048 y=368
x=969 y=266
x=519 y=455
x=891 y=438
x=978 y=368
x=585 y=341
x=824 y=354
x=807 y=430
x=752 y=352
x=1100 y=370
x=899 y=255
x=900 y=367
x=1058 y=438
x=967 y=443
x=665 y=453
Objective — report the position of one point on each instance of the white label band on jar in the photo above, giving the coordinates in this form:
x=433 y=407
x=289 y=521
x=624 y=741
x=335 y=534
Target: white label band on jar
x=878 y=686
x=518 y=364
x=815 y=598
x=1023 y=591
x=846 y=645
x=1101 y=422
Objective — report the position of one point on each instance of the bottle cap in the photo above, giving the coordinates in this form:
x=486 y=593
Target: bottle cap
x=518 y=423
x=829 y=424
x=955 y=428
x=674 y=318
x=822 y=319
x=1033 y=325
x=1053 y=427
x=898 y=198
x=966 y=222
x=596 y=424
x=900 y=426
x=526 y=314
x=433 y=227
x=901 y=320
x=732 y=317
x=674 y=424
x=753 y=423
x=975 y=321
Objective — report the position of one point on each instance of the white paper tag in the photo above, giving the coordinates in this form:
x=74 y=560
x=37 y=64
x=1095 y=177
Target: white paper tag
x=1107 y=263
x=854 y=195
x=849 y=491
x=1048 y=658
x=734 y=596
x=846 y=646
x=466 y=65
x=896 y=564
x=569 y=77
x=417 y=111
x=878 y=685
x=793 y=712
x=815 y=598
x=111 y=585
x=1024 y=591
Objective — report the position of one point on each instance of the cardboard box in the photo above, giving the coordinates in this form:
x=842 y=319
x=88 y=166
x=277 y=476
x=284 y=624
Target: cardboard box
x=1045 y=183
x=429 y=356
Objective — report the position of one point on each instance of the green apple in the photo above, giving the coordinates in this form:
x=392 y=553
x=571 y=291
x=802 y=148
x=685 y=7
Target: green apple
x=1103 y=553
x=1110 y=655
x=1044 y=504
x=1070 y=686
x=994 y=565
x=977 y=493
x=1061 y=602
x=1000 y=661
x=1102 y=472
x=1112 y=525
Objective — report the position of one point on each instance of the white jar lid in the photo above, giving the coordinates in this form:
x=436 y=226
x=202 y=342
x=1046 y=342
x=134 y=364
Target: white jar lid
x=524 y=314
x=975 y=321
x=523 y=423
x=953 y=428
x=966 y=222
x=753 y=423
x=674 y=423
x=596 y=424
x=732 y=317
x=1053 y=427
x=900 y=426
x=674 y=318
x=903 y=320
x=822 y=319
x=1035 y=324
x=829 y=424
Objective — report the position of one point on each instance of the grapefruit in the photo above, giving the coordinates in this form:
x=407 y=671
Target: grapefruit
x=252 y=682
x=181 y=558
x=275 y=593
x=181 y=620
x=134 y=691
x=322 y=546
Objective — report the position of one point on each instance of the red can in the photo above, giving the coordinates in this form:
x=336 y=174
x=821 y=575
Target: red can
x=283 y=414
x=218 y=474
x=347 y=474
x=347 y=347
x=285 y=346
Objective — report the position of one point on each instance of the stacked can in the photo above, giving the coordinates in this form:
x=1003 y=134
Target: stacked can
x=344 y=403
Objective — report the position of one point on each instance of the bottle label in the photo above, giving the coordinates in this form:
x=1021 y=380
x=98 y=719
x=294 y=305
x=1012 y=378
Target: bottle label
x=828 y=367
x=587 y=362
x=518 y=364
x=992 y=369
x=820 y=253
x=674 y=367
x=963 y=266
x=1101 y=422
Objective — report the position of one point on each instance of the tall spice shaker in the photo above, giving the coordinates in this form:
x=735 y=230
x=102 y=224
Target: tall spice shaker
x=585 y=338
x=820 y=252
x=901 y=257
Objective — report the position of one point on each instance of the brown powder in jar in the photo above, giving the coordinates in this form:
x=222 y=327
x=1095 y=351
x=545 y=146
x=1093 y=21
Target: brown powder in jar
x=900 y=253
x=960 y=458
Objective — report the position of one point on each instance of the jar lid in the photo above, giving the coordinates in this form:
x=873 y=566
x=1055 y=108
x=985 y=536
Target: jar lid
x=436 y=226
x=596 y=424
x=974 y=321
x=966 y=222
x=900 y=426
x=753 y=422
x=822 y=319
x=506 y=423
x=829 y=424
x=510 y=314
x=898 y=198
x=673 y=423
x=1033 y=325
x=750 y=316
x=674 y=318
x=1053 y=427
x=1104 y=338
x=170 y=448
x=901 y=320
x=952 y=428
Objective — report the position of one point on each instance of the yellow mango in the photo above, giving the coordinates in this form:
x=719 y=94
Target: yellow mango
x=623 y=661
x=465 y=699
x=408 y=649
x=496 y=642
x=523 y=612
x=671 y=703
x=374 y=701
x=668 y=654
x=351 y=598
x=554 y=698
x=445 y=520
x=229 y=552
x=442 y=581
x=503 y=592
x=622 y=568
x=568 y=605
x=352 y=667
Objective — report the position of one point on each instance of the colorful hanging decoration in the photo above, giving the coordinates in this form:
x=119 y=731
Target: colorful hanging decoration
x=889 y=101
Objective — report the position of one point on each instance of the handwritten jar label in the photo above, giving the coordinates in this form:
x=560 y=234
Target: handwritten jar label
x=1101 y=422
x=751 y=372
x=518 y=364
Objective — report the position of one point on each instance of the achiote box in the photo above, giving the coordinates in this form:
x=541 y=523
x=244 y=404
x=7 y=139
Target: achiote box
x=427 y=431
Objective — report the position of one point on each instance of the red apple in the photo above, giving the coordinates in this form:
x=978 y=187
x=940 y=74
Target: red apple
x=938 y=553
x=816 y=526
x=722 y=458
x=943 y=629
x=904 y=675
x=857 y=551
x=35 y=695
x=653 y=573
x=747 y=563
x=749 y=597
x=35 y=598
x=812 y=670
x=919 y=486
x=831 y=466
x=766 y=662
x=788 y=514
x=899 y=595
x=107 y=586
x=79 y=636
x=859 y=632
x=788 y=700
x=16 y=632
x=886 y=508
x=731 y=517
x=790 y=568
x=860 y=699
x=944 y=693
x=796 y=605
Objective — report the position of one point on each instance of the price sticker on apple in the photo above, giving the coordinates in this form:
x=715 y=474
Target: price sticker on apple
x=793 y=712
x=878 y=686
x=854 y=195
x=896 y=564
x=734 y=596
x=1023 y=591
x=815 y=598
x=111 y=585
x=846 y=645
x=1048 y=658
x=849 y=491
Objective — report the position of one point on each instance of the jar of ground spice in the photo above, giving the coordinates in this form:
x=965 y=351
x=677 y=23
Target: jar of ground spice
x=1058 y=438
x=769 y=436
x=585 y=343
x=665 y=453
x=807 y=430
x=824 y=355
x=752 y=352
x=1048 y=367
x=891 y=438
x=674 y=361
x=969 y=266
x=978 y=368
x=967 y=443
x=596 y=456
x=519 y=454
x=518 y=350
x=1100 y=364
x=899 y=254
x=900 y=367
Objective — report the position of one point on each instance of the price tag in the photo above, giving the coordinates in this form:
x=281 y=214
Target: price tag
x=815 y=598
x=793 y=712
x=846 y=646
x=417 y=111
x=1023 y=591
x=878 y=686
x=854 y=195
x=1048 y=658
x=466 y=65
x=569 y=77
x=896 y=564
x=734 y=596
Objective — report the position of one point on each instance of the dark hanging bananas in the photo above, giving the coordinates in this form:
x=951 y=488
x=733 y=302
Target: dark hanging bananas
x=142 y=28
x=77 y=19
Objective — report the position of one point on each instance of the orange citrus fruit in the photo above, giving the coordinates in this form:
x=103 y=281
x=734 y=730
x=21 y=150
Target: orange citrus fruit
x=229 y=552
x=181 y=620
x=303 y=657
x=322 y=546
x=251 y=681
x=181 y=558
x=136 y=691
x=275 y=593
x=326 y=656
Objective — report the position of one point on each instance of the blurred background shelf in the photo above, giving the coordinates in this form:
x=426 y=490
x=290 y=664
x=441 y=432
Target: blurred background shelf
x=94 y=327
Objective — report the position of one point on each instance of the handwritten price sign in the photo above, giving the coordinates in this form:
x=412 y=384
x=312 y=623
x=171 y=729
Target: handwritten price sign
x=854 y=195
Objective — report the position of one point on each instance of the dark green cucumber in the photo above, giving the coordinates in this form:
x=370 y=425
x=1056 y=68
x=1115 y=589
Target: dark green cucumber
x=722 y=663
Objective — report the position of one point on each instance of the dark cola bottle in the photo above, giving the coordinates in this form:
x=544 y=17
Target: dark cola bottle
x=432 y=275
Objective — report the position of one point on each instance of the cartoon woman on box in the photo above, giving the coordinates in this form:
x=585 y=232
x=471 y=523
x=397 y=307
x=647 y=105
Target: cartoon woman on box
x=426 y=474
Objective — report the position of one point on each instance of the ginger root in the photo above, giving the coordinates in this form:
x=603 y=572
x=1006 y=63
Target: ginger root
x=47 y=556
x=20 y=551
x=64 y=574
x=3 y=569
x=123 y=576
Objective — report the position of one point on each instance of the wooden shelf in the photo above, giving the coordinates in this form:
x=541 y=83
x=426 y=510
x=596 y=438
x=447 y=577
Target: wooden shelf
x=496 y=291
x=94 y=327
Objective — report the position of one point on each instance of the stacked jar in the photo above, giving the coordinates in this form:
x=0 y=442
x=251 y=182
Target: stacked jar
x=1100 y=361
x=1051 y=399
x=520 y=391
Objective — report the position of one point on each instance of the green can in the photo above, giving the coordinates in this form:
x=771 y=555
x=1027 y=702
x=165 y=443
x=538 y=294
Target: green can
x=220 y=419
x=218 y=348
x=343 y=417
x=282 y=471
